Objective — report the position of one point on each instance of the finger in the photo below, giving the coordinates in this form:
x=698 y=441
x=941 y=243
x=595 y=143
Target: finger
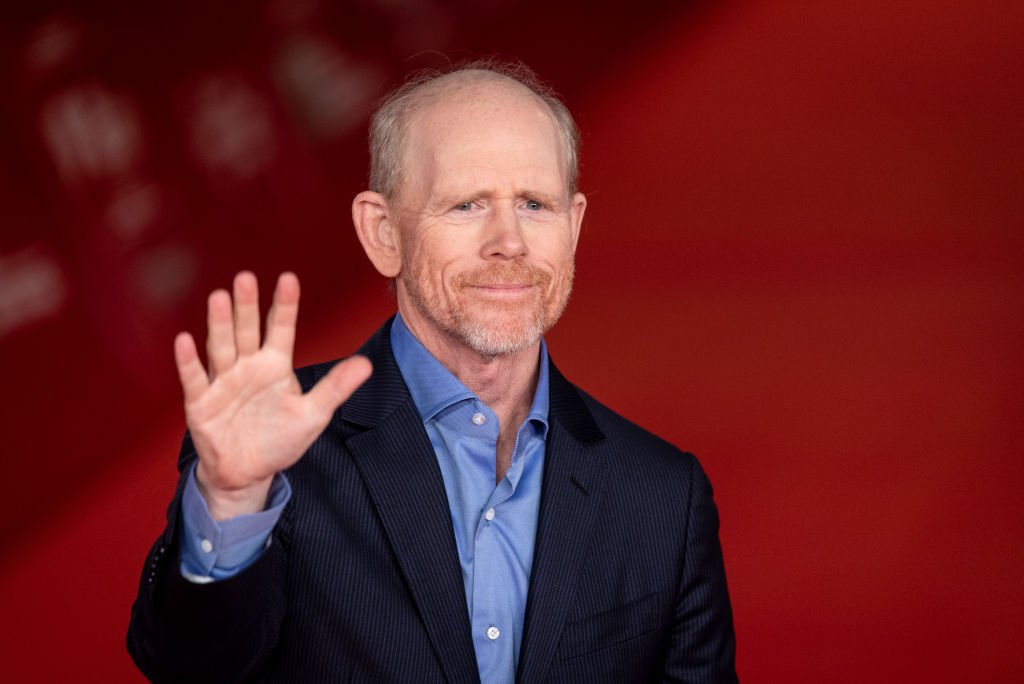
x=220 y=335
x=190 y=370
x=339 y=384
x=247 y=314
x=284 y=312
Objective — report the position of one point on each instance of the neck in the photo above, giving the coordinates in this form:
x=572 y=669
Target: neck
x=506 y=383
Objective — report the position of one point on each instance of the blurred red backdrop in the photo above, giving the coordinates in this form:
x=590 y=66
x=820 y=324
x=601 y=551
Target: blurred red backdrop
x=803 y=260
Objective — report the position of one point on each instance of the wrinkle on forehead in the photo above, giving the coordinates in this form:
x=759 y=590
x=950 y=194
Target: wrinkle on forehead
x=488 y=132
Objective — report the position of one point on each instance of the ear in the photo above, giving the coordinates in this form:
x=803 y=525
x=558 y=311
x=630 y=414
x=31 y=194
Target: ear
x=576 y=211
x=378 y=232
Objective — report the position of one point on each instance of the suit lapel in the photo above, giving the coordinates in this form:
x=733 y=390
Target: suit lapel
x=573 y=480
x=401 y=473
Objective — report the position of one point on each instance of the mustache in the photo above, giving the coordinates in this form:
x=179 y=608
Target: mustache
x=503 y=274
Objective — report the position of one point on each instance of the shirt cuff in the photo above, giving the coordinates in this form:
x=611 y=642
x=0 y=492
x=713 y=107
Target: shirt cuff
x=215 y=550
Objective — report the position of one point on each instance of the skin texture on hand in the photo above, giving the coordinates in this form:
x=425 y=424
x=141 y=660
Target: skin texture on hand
x=246 y=412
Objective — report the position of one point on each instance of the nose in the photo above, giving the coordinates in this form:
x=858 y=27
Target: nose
x=503 y=235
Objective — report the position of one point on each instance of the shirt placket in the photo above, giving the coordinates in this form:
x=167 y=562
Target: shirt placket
x=493 y=617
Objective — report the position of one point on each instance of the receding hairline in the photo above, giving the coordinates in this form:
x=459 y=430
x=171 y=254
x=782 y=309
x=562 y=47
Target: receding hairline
x=430 y=90
x=392 y=120
x=462 y=91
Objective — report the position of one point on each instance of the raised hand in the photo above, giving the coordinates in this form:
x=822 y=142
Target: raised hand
x=248 y=416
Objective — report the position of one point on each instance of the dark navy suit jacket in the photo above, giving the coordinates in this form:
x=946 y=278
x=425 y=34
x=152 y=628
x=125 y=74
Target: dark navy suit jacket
x=362 y=583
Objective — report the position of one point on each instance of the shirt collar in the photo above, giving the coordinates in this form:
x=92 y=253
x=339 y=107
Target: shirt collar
x=434 y=388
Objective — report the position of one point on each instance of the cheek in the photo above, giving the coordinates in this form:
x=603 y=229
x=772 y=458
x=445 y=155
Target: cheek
x=432 y=274
x=553 y=242
x=558 y=256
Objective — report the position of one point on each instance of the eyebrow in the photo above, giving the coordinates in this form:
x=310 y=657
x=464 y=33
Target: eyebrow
x=447 y=201
x=544 y=198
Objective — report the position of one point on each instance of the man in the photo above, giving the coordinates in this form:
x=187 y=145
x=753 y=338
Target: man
x=463 y=513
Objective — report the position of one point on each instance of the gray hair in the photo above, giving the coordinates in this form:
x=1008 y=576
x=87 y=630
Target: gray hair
x=391 y=120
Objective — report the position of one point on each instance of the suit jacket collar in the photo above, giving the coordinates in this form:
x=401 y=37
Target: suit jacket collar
x=384 y=392
x=400 y=469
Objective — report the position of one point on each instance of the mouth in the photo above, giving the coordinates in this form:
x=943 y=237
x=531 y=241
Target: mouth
x=501 y=290
x=502 y=286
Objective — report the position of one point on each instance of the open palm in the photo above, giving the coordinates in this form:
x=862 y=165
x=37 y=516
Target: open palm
x=248 y=416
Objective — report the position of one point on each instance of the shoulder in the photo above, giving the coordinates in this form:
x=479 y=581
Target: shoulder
x=638 y=460
x=634 y=445
x=617 y=438
x=648 y=483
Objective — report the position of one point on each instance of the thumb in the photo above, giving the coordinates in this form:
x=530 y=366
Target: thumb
x=339 y=384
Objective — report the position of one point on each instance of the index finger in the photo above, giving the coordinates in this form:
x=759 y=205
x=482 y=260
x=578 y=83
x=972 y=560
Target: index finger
x=284 y=312
x=194 y=380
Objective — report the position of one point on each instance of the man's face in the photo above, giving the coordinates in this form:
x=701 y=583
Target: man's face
x=487 y=228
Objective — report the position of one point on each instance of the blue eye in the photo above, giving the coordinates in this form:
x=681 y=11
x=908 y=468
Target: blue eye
x=463 y=206
x=533 y=205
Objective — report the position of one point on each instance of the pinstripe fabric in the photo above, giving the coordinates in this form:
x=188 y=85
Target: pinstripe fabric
x=362 y=583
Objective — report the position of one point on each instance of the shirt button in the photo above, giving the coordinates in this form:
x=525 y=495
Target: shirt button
x=206 y=545
x=489 y=515
x=493 y=632
x=479 y=419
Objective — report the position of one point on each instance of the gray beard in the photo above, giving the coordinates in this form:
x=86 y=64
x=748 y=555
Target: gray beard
x=477 y=335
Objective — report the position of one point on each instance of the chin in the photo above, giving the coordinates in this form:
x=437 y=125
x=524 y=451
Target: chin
x=498 y=335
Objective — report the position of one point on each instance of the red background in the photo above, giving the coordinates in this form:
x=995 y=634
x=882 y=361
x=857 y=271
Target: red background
x=803 y=260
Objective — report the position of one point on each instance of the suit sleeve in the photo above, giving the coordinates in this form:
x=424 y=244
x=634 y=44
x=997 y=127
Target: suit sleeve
x=703 y=644
x=220 y=631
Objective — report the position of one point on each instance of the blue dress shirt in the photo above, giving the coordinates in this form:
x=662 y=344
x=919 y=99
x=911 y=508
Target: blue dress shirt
x=494 y=524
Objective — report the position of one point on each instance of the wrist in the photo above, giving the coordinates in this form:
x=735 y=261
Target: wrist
x=228 y=503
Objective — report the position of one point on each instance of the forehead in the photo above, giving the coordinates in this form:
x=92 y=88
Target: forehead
x=484 y=133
